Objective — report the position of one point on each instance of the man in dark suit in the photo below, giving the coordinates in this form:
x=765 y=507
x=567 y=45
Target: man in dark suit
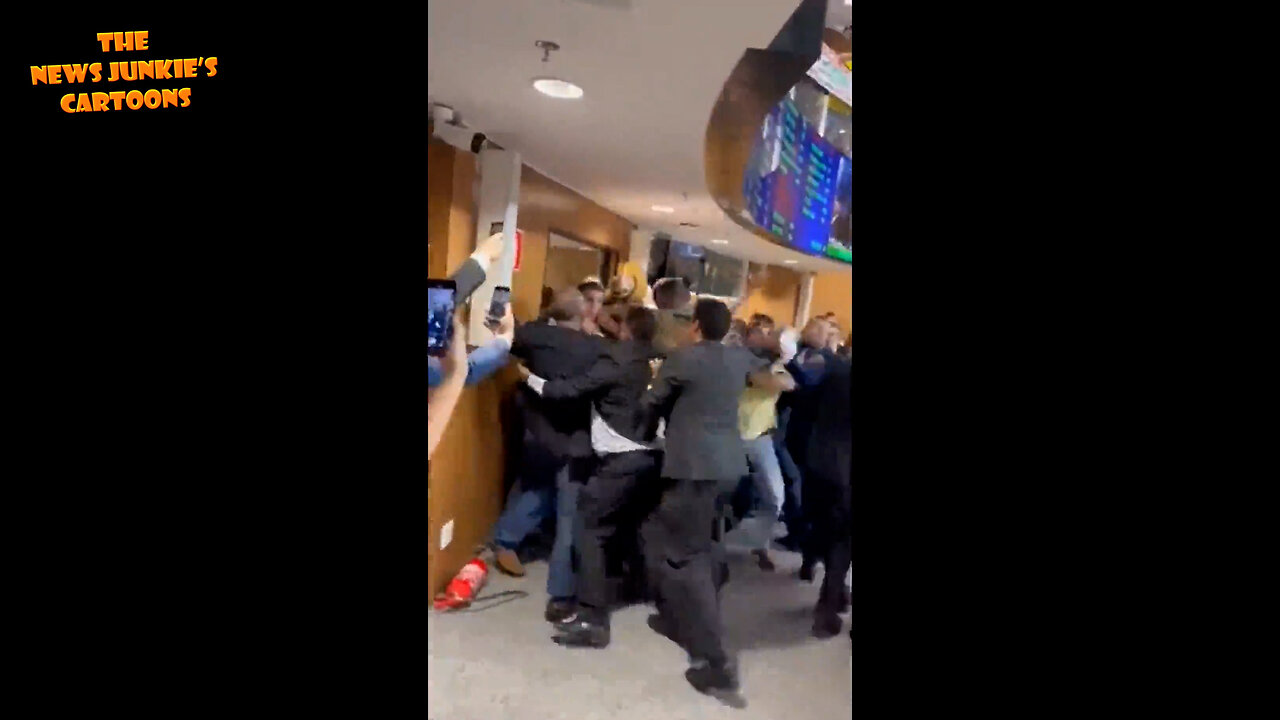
x=828 y=491
x=556 y=447
x=697 y=390
x=622 y=489
x=808 y=367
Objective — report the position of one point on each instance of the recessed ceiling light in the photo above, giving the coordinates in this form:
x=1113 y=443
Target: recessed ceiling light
x=555 y=88
x=720 y=242
x=663 y=209
x=788 y=262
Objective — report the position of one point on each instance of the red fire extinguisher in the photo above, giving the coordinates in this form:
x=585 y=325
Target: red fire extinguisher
x=463 y=587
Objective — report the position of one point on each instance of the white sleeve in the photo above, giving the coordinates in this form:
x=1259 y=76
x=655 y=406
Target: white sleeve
x=482 y=260
x=535 y=383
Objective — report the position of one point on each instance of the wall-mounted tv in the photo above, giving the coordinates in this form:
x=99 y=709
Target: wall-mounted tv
x=798 y=185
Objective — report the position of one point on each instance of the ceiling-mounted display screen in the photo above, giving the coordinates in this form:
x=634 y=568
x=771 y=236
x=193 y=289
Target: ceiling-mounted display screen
x=793 y=182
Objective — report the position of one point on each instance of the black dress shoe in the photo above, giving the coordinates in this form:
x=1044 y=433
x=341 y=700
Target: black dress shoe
x=581 y=632
x=826 y=624
x=720 y=682
x=559 y=610
x=660 y=625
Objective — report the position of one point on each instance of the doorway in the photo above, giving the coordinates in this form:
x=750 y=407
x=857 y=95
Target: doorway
x=570 y=262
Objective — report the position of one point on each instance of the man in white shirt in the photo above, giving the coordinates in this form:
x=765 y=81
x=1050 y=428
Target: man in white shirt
x=624 y=488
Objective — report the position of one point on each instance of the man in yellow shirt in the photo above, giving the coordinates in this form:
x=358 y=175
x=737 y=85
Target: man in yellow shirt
x=757 y=420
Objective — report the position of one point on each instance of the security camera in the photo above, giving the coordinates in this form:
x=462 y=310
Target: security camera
x=458 y=136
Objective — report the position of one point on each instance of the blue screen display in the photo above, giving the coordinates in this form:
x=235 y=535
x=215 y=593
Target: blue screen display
x=792 y=181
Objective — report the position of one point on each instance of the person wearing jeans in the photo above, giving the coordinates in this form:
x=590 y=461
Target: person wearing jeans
x=621 y=490
x=556 y=452
x=527 y=506
x=766 y=481
x=792 y=514
x=757 y=421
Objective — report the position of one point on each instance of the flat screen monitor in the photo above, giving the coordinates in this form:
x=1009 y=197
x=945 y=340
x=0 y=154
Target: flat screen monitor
x=795 y=185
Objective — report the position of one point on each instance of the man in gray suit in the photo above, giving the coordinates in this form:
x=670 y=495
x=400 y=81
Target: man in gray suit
x=697 y=392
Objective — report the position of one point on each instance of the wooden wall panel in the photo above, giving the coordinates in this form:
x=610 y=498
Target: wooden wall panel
x=466 y=475
x=833 y=292
x=569 y=266
x=439 y=196
x=546 y=205
x=776 y=297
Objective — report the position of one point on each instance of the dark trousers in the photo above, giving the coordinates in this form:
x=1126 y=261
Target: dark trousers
x=805 y=503
x=686 y=566
x=621 y=493
x=832 y=534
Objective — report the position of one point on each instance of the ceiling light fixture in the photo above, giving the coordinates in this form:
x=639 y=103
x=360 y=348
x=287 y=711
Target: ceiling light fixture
x=788 y=262
x=556 y=88
x=720 y=242
x=663 y=208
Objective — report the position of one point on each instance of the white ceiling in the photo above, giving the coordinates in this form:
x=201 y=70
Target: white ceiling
x=651 y=70
x=839 y=15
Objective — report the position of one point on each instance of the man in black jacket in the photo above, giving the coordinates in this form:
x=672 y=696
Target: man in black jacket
x=556 y=448
x=828 y=488
x=622 y=489
x=808 y=367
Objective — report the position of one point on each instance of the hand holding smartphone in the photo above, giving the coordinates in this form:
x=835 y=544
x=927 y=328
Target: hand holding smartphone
x=441 y=302
x=497 y=306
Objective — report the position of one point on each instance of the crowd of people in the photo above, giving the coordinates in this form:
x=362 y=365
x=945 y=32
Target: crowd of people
x=650 y=420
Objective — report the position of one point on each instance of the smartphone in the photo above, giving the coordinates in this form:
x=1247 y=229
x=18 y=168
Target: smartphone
x=495 y=228
x=498 y=306
x=441 y=299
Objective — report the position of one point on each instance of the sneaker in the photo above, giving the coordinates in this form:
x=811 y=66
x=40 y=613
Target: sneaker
x=559 y=610
x=582 y=631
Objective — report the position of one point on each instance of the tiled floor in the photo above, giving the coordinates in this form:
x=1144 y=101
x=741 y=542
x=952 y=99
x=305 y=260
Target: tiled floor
x=498 y=663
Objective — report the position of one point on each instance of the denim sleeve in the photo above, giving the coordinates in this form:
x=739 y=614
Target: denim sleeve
x=434 y=375
x=485 y=361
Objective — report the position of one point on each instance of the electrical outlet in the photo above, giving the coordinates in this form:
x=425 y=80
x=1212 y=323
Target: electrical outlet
x=446 y=535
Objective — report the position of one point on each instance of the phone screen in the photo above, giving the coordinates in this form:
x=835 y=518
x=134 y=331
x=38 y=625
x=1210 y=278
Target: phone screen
x=440 y=303
x=498 y=306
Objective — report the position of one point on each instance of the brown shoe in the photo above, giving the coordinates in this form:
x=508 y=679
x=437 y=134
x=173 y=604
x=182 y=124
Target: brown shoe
x=508 y=562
